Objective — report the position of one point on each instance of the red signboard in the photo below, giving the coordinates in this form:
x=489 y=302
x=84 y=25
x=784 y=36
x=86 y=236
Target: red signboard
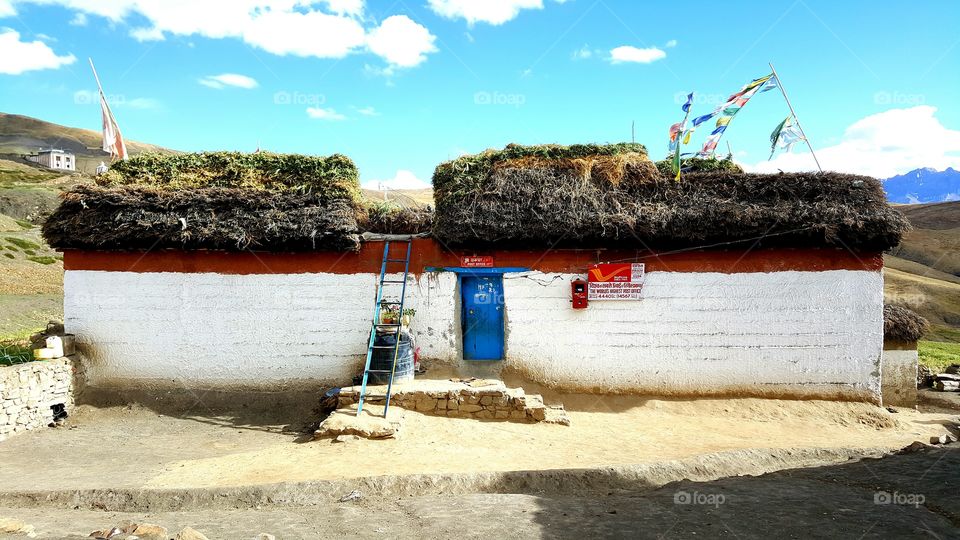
x=476 y=261
x=620 y=281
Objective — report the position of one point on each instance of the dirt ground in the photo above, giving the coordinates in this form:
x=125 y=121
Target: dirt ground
x=134 y=447
x=904 y=496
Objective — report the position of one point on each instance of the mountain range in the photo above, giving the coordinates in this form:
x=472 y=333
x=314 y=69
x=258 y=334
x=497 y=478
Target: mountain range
x=924 y=186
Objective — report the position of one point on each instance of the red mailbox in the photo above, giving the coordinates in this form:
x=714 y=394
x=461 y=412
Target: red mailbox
x=578 y=292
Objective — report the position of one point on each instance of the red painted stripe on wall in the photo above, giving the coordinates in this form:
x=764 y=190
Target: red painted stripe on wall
x=428 y=253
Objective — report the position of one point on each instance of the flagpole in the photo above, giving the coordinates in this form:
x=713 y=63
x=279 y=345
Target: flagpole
x=794 y=113
x=95 y=76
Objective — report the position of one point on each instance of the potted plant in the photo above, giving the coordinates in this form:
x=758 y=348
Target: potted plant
x=408 y=314
x=389 y=316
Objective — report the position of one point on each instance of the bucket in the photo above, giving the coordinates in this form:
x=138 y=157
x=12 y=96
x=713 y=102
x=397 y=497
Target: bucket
x=383 y=358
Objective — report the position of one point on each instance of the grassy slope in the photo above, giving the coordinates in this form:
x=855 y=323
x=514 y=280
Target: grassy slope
x=23 y=134
x=937 y=356
x=31 y=280
x=403 y=197
x=924 y=274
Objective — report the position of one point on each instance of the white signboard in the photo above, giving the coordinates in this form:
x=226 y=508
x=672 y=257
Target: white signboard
x=616 y=281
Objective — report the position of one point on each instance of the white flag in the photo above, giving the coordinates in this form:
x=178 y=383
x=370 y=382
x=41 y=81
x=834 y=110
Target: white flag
x=112 y=138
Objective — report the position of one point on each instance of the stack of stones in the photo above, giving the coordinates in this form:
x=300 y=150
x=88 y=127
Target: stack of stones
x=486 y=399
x=30 y=392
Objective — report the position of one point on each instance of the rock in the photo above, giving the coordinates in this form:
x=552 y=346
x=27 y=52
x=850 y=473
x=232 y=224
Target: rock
x=15 y=526
x=148 y=531
x=188 y=533
x=346 y=438
x=470 y=408
x=352 y=496
x=943 y=439
x=426 y=404
x=556 y=415
x=501 y=415
x=264 y=536
x=107 y=533
x=346 y=422
x=915 y=446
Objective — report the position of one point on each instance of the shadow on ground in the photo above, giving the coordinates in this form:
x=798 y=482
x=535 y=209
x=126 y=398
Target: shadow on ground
x=913 y=495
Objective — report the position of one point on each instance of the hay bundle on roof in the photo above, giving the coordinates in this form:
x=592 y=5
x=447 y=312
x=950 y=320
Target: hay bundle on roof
x=331 y=177
x=218 y=201
x=596 y=196
x=392 y=218
x=903 y=324
x=231 y=219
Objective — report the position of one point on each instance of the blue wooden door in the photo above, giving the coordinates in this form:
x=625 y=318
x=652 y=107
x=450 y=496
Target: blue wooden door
x=482 y=317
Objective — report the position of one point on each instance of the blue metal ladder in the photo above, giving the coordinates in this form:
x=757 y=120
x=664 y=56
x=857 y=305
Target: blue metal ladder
x=377 y=324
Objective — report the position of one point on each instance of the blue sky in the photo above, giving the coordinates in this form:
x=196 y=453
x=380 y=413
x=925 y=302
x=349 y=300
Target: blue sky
x=403 y=85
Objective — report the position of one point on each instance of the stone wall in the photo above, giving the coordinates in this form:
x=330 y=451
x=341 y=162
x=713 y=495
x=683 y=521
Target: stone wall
x=484 y=399
x=29 y=391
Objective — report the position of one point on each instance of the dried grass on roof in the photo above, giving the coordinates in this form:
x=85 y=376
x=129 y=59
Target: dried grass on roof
x=329 y=178
x=231 y=219
x=617 y=197
x=903 y=324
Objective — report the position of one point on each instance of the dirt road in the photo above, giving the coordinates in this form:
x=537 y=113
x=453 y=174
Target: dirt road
x=138 y=448
x=904 y=496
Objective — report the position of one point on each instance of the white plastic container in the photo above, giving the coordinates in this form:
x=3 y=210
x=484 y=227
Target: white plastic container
x=55 y=343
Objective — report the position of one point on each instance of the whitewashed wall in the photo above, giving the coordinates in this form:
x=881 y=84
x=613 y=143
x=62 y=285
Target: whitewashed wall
x=252 y=329
x=782 y=333
x=899 y=377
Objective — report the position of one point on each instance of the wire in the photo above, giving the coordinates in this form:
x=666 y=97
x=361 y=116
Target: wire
x=706 y=246
x=525 y=275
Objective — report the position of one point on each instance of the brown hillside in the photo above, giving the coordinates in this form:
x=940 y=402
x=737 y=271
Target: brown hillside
x=23 y=134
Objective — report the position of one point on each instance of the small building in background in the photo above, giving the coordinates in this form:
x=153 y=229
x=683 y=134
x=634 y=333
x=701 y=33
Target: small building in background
x=55 y=158
x=902 y=329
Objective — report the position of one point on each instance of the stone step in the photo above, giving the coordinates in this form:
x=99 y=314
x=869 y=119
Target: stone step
x=486 y=399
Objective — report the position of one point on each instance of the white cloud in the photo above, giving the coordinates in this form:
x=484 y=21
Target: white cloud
x=401 y=42
x=147 y=34
x=79 y=19
x=17 y=56
x=626 y=53
x=6 y=9
x=670 y=44
x=367 y=111
x=228 y=79
x=308 y=28
x=319 y=113
x=582 y=53
x=345 y=7
x=881 y=145
x=404 y=179
x=493 y=12
x=305 y=34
